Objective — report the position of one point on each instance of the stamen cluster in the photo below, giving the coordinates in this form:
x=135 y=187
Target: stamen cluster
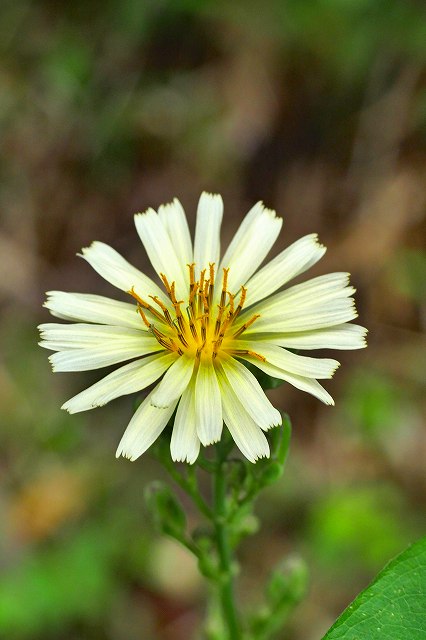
x=207 y=326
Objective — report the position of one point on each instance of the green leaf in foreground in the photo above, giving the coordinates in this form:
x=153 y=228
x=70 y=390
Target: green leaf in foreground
x=393 y=606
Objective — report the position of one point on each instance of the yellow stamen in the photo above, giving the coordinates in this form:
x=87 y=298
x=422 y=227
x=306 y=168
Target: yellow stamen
x=145 y=305
x=246 y=325
x=219 y=319
x=159 y=302
x=164 y=309
x=247 y=352
x=231 y=303
x=241 y=302
x=162 y=339
x=201 y=285
x=205 y=326
x=224 y=287
x=166 y=283
x=191 y=268
x=143 y=316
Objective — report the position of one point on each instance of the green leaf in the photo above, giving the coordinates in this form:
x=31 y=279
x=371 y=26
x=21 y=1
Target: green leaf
x=393 y=607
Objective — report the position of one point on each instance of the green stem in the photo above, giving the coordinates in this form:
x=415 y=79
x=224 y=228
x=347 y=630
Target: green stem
x=225 y=583
x=189 y=487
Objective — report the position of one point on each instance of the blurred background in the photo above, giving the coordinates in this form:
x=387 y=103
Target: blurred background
x=317 y=107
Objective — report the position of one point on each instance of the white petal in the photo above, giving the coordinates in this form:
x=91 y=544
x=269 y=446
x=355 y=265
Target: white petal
x=317 y=289
x=312 y=293
x=174 y=220
x=237 y=241
x=320 y=368
x=245 y=385
x=120 y=273
x=298 y=257
x=174 y=382
x=343 y=336
x=61 y=337
x=253 y=244
x=160 y=250
x=90 y=308
x=104 y=355
x=134 y=376
x=332 y=313
x=247 y=435
x=185 y=443
x=207 y=231
x=144 y=428
x=208 y=405
x=304 y=384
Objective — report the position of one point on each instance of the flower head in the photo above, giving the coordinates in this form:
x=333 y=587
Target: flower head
x=196 y=330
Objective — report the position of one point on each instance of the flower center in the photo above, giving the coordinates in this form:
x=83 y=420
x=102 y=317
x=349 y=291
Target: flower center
x=199 y=326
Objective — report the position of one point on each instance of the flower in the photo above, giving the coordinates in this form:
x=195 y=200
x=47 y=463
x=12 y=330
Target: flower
x=195 y=331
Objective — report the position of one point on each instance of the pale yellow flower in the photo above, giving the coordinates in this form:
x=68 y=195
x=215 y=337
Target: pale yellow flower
x=196 y=330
